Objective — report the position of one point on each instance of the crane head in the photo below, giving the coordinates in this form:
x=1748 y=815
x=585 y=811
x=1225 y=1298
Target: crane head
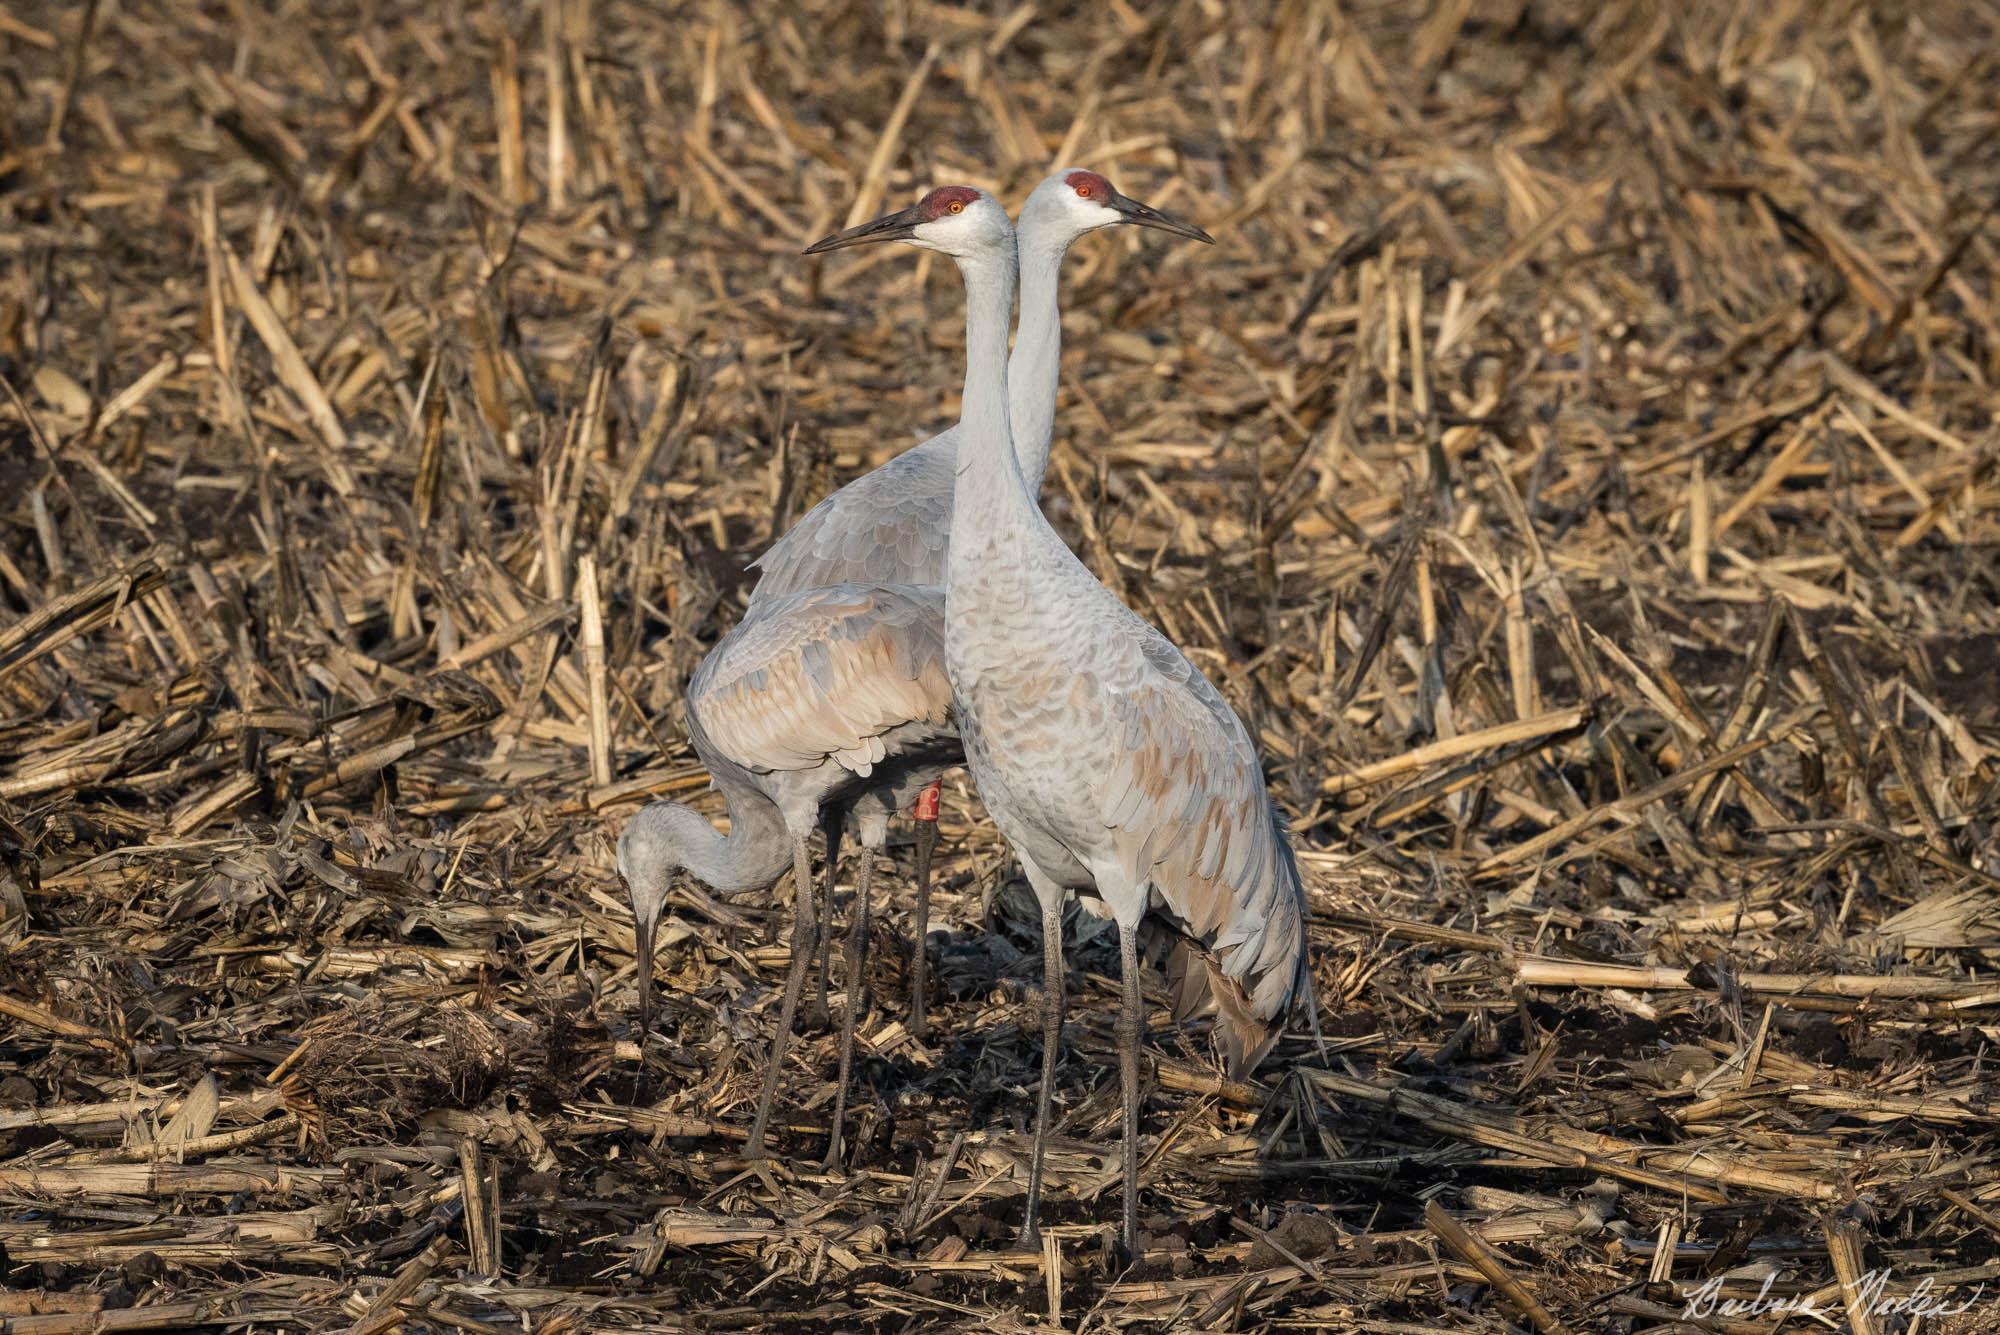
x=1074 y=201
x=955 y=219
x=649 y=853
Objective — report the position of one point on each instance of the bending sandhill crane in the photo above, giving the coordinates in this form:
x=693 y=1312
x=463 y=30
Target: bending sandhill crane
x=1110 y=763
x=818 y=703
x=893 y=525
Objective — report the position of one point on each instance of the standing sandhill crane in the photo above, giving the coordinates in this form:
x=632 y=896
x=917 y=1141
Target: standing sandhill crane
x=1110 y=763
x=817 y=703
x=893 y=525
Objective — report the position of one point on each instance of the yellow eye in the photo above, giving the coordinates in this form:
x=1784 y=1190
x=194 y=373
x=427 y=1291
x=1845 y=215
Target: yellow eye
x=958 y=208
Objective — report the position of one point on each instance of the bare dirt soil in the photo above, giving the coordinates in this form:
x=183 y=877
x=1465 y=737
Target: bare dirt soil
x=1576 y=460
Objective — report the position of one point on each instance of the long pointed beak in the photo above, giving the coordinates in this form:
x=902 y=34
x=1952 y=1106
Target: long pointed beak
x=898 y=226
x=644 y=927
x=1145 y=215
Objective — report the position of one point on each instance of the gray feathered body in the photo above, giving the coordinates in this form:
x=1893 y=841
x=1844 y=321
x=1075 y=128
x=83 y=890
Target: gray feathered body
x=828 y=695
x=1112 y=764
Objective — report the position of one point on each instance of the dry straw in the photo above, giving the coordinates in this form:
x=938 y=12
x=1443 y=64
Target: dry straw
x=1577 y=459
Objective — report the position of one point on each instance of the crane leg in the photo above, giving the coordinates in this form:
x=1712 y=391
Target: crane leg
x=805 y=939
x=817 y=1015
x=1131 y=1026
x=927 y=837
x=1052 y=1023
x=855 y=963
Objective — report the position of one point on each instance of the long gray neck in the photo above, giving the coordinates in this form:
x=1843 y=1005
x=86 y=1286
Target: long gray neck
x=991 y=494
x=1036 y=366
x=752 y=856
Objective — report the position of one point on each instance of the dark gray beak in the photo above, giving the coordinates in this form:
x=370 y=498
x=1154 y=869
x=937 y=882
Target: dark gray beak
x=1145 y=215
x=898 y=226
x=643 y=928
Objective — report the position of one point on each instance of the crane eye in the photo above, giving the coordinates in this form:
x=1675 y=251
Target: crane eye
x=958 y=208
x=1083 y=192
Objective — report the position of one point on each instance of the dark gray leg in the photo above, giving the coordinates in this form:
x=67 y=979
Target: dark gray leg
x=1052 y=1022
x=831 y=824
x=856 y=964
x=805 y=939
x=1131 y=1025
x=920 y=964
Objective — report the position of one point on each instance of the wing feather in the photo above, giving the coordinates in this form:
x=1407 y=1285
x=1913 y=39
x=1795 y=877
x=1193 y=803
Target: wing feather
x=824 y=674
x=888 y=526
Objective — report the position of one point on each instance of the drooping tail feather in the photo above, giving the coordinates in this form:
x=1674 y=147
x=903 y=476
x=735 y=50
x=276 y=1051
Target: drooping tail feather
x=1171 y=952
x=1197 y=986
x=1243 y=1038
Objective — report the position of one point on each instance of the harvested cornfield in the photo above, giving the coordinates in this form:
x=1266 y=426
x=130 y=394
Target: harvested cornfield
x=1576 y=460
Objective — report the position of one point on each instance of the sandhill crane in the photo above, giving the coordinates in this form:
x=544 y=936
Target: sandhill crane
x=1110 y=763
x=822 y=701
x=893 y=525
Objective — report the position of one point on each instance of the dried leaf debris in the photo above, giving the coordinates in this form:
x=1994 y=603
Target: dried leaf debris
x=1577 y=460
